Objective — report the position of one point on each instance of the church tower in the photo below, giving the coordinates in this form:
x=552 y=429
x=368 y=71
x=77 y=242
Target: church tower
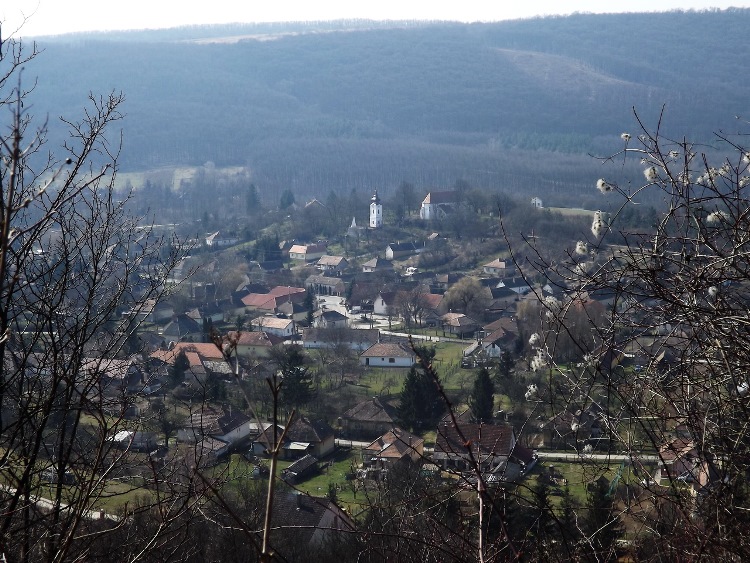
x=376 y=212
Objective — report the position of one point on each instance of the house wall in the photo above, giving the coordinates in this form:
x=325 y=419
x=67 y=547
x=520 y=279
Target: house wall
x=387 y=362
x=239 y=433
x=325 y=447
x=379 y=306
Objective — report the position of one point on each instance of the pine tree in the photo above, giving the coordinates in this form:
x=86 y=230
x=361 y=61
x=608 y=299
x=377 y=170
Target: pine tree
x=602 y=522
x=410 y=398
x=421 y=405
x=297 y=387
x=482 y=399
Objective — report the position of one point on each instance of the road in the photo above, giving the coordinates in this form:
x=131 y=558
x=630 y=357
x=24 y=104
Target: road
x=334 y=303
x=547 y=456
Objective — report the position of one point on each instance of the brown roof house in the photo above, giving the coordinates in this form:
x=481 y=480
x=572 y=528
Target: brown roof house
x=307 y=252
x=369 y=418
x=256 y=343
x=377 y=265
x=498 y=267
x=388 y=355
x=395 y=446
x=493 y=446
x=332 y=264
x=281 y=328
x=304 y=436
x=459 y=324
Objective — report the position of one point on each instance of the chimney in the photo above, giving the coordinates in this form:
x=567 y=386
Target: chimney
x=298 y=496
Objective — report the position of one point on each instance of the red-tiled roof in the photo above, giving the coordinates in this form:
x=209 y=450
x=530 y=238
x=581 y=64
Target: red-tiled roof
x=440 y=197
x=395 y=444
x=204 y=349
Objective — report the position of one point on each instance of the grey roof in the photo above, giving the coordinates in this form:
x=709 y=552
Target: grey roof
x=372 y=410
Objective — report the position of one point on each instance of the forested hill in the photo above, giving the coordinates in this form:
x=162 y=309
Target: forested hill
x=356 y=104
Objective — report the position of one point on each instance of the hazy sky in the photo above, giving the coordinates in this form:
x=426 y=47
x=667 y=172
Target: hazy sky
x=46 y=17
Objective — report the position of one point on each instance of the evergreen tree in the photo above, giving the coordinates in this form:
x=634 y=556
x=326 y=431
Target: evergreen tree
x=543 y=530
x=568 y=526
x=253 y=200
x=505 y=365
x=287 y=199
x=602 y=524
x=297 y=386
x=421 y=405
x=309 y=304
x=482 y=399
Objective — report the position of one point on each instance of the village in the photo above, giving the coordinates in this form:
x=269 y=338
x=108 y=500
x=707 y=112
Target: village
x=343 y=334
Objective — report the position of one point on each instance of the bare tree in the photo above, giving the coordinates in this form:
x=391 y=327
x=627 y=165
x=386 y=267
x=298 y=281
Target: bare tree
x=667 y=369
x=71 y=260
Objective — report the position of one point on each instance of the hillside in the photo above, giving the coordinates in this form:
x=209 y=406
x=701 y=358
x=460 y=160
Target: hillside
x=516 y=105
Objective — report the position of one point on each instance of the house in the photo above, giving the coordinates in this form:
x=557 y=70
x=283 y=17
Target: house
x=304 y=436
x=332 y=264
x=307 y=252
x=354 y=339
x=204 y=359
x=437 y=205
x=369 y=418
x=680 y=460
x=310 y=521
x=385 y=303
x=397 y=250
x=115 y=376
x=282 y=328
x=494 y=447
x=181 y=327
x=498 y=337
x=270 y=302
x=497 y=267
x=569 y=429
x=330 y=319
x=232 y=427
x=256 y=343
x=459 y=324
x=220 y=240
x=134 y=440
x=395 y=446
x=325 y=285
x=377 y=265
x=536 y=203
x=443 y=282
x=206 y=314
x=291 y=310
x=388 y=355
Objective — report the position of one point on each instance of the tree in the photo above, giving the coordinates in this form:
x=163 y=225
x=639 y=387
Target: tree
x=421 y=404
x=412 y=304
x=253 y=200
x=601 y=522
x=678 y=305
x=287 y=199
x=72 y=259
x=467 y=296
x=482 y=399
x=297 y=384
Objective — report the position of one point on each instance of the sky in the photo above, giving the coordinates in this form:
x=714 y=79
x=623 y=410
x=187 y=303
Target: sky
x=53 y=17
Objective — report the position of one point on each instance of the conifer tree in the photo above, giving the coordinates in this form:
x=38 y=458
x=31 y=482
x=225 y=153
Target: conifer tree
x=482 y=399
